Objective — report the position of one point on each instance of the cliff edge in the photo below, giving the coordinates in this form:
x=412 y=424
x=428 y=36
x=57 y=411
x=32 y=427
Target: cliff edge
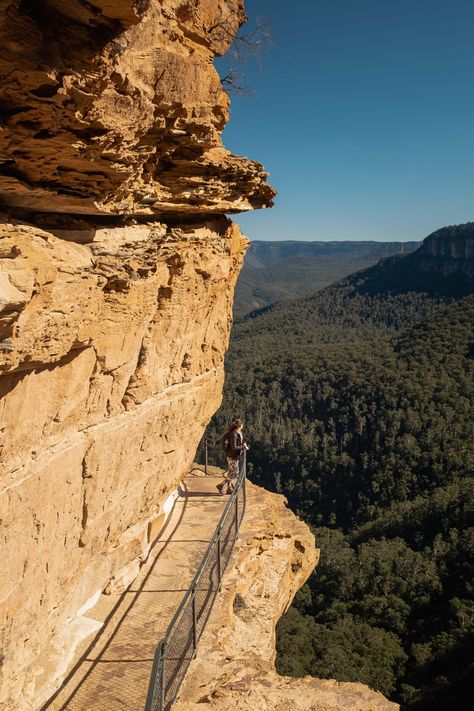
x=117 y=272
x=234 y=668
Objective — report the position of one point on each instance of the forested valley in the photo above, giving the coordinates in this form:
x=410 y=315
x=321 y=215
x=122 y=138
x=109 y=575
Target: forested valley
x=275 y=271
x=358 y=405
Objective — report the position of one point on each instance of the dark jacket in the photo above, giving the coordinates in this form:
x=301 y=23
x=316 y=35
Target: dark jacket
x=234 y=444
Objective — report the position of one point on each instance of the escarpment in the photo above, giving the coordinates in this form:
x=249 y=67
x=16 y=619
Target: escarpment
x=442 y=266
x=450 y=251
x=112 y=365
x=117 y=270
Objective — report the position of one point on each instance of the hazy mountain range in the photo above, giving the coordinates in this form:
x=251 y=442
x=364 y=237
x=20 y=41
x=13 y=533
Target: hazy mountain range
x=276 y=271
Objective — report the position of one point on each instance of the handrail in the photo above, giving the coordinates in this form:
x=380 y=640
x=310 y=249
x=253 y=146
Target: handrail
x=208 y=445
x=188 y=623
x=203 y=561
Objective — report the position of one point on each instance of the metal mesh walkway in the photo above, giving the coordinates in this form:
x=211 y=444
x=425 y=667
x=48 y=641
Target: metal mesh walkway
x=179 y=644
x=114 y=673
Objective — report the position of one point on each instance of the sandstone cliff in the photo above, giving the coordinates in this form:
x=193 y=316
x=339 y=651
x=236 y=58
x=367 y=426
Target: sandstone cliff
x=112 y=366
x=442 y=266
x=116 y=108
x=449 y=251
x=117 y=269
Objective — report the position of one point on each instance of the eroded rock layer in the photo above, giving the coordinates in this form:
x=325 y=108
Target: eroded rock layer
x=111 y=356
x=449 y=251
x=117 y=269
x=115 y=107
x=234 y=668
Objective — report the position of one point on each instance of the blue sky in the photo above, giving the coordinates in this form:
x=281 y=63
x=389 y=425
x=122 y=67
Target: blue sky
x=363 y=114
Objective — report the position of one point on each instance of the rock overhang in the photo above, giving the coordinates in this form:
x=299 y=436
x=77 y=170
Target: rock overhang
x=116 y=109
x=117 y=270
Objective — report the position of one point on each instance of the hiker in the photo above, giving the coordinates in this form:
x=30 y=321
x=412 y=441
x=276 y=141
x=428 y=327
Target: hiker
x=234 y=445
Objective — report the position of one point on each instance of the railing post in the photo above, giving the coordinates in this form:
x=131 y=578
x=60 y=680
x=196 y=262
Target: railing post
x=236 y=514
x=156 y=680
x=193 y=606
x=162 y=676
x=219 y=560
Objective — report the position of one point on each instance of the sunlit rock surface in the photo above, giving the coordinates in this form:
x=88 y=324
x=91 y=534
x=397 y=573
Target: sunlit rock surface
x=117 y=270
x=116 y=108
x=111 y=354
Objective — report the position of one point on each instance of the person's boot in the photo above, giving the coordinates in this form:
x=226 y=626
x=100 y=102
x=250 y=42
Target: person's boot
x=220 y=487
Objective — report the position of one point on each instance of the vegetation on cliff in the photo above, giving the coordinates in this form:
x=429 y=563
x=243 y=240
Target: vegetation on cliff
x=359 y=406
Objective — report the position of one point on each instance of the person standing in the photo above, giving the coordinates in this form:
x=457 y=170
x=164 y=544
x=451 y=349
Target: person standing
x=234 y=445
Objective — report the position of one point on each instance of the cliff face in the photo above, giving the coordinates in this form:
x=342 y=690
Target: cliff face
x=112 y=366
x=442 y=266
x=115 y=108
x=234 y=668
x=117 y=269
x=449 y=250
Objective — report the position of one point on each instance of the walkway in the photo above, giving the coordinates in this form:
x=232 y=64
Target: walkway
x=113 y=672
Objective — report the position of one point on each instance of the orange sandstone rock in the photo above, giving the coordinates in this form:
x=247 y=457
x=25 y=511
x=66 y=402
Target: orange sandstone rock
x=113 y=326
x=116 y=108
x=115 y=370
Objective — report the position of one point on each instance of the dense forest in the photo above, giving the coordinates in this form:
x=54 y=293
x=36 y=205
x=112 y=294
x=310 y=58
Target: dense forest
x=359 y=407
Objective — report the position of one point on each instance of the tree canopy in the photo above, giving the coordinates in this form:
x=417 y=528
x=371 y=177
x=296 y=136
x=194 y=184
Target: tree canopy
x=359 y=408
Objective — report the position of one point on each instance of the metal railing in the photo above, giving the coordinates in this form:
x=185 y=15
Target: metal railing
x=209 y=450
x=176 y=650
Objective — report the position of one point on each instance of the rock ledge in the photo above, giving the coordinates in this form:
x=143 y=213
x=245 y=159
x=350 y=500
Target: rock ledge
x=234 y=669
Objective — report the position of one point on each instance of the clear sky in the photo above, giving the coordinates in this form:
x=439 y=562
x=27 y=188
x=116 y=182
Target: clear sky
x=364 y=116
